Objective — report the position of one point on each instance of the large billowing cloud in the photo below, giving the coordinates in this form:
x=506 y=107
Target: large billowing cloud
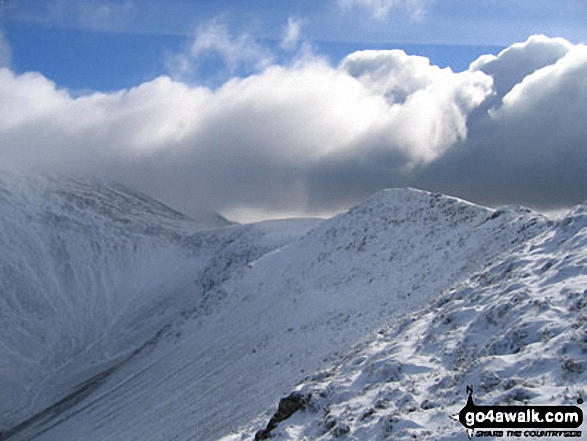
x=528 y=142
x=520 y=60
x=312 y=138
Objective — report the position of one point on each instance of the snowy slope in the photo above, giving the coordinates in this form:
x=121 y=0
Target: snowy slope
x=516 y=331
x=266 y=319
x=90 y=272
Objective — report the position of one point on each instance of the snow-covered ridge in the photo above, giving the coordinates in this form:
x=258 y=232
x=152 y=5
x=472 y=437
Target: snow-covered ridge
x=96 y=201
x=240 y=314
x=516 y=331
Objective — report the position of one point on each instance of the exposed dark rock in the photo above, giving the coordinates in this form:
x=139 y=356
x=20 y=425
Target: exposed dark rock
x=287 y=407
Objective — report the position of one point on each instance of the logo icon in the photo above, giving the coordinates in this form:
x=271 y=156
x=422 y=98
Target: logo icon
x=551 y=421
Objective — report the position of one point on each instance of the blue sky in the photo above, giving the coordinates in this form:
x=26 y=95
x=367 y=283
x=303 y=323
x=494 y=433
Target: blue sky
x=109 y=45
x=267 y=108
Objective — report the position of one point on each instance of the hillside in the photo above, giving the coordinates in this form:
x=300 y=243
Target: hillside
x=179 y=334
x=515 y=331
x=90 y=272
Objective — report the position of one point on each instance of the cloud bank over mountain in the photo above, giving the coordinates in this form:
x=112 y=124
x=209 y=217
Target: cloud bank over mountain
x=310 y=138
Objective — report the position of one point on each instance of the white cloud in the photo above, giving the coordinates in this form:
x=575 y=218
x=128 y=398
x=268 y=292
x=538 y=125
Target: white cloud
x=314 y=138
x=381 y=9
x=428 y=106
x=545 y=115
x=213 y=38
x=530 y=145
x=514 y=63
x=292 y=33
x=255 y=139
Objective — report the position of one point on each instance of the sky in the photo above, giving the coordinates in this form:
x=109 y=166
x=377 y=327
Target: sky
x=266 y=108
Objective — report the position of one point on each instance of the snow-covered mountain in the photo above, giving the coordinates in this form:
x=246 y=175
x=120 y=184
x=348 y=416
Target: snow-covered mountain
x=140 y=324
x=79 y=261
x=516 y=331
x=91 y=271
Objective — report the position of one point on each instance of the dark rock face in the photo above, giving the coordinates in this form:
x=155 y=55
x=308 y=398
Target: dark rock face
x=287 y=407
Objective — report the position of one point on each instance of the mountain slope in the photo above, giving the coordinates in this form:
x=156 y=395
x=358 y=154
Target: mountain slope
x=516 y=331
x=278 y=313
x=90 y=272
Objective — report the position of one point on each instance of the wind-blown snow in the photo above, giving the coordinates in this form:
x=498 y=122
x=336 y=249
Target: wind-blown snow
x=202 y=332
